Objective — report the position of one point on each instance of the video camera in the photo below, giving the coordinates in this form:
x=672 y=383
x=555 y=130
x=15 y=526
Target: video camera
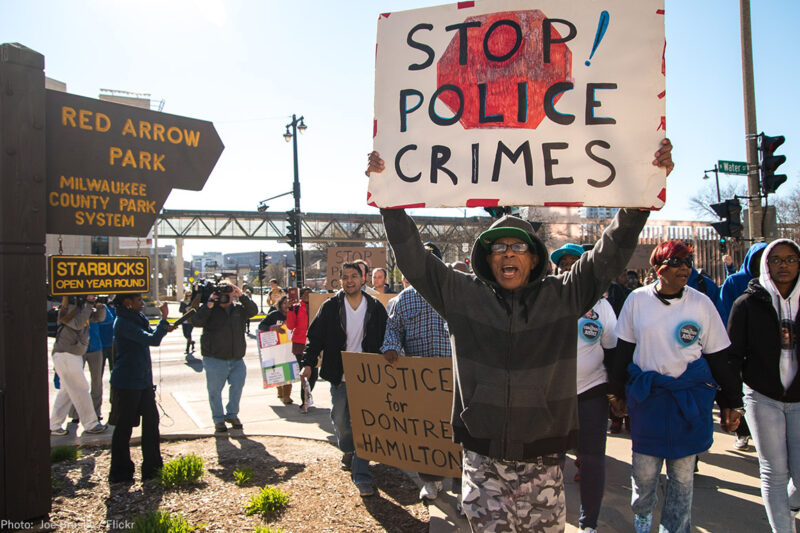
x=205 y=288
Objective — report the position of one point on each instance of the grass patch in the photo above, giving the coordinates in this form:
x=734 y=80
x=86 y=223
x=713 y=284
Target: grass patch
x=267 y=529
x=55 y=484
x=65 y=453
x=162 y=522
x=269 y=501
x=184 y=470
x=242 y=475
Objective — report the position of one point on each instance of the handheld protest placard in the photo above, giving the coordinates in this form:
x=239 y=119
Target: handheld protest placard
x=375 y=256
x=401 y=414
x=505 y=103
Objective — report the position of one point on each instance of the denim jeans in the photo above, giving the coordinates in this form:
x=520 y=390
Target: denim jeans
x=218 y=371
x=676 y=516
x=340 y=416
x=593 y=422
x=776 y=432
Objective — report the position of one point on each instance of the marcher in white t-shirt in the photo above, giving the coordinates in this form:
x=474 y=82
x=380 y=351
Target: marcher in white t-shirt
x=596 y=342
x=677 y=346
x=363 y=330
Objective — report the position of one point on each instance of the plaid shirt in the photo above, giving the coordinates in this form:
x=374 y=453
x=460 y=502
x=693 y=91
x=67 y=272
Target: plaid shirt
x=415 y=329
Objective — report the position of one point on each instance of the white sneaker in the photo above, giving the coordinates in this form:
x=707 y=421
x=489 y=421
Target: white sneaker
x=430 y=490
x=741 y=443
x=588 y=530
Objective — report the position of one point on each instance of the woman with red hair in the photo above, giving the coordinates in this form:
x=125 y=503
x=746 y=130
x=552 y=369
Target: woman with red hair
x=672 y=352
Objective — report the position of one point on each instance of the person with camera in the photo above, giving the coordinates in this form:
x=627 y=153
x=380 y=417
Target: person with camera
x=223 y=345
x=72 y=340
x=133 y=395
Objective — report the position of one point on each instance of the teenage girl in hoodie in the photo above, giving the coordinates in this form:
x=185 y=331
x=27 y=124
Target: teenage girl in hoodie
x=763 y=330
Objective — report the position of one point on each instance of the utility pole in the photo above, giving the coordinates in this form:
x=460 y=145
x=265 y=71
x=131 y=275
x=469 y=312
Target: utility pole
x=754 y=213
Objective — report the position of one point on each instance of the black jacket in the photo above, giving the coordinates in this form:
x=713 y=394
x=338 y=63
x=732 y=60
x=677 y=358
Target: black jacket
x=223 y=332
x=328 y=333
x=756 y=344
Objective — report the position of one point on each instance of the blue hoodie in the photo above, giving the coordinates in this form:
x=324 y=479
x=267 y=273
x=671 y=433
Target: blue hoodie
x=671 y=417
x=736 y=283
x=711 y=288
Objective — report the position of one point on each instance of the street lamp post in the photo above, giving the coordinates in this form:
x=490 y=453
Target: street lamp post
x=716 y=177
x=295 y=125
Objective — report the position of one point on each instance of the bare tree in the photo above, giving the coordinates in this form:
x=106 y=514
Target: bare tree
x=700 y=202
x=788 y=206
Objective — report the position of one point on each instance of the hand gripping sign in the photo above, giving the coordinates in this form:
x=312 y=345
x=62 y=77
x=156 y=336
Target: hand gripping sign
x=517 y=103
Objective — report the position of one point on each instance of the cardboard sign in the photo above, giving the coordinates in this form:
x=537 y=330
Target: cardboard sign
x=516 y=103
x=278 y=363
x=76 y=275
x=110 y=166
x=338 y=255
x=401 y=415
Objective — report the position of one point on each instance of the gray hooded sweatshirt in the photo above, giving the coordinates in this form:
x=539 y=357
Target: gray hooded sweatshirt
x=73 y=335
x=514 y=353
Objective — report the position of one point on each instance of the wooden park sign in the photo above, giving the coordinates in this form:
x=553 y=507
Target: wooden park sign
x=110 y=167
x=401 y=414
x=87 y=274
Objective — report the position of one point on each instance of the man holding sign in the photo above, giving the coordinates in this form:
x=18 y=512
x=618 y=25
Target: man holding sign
x=513 y=329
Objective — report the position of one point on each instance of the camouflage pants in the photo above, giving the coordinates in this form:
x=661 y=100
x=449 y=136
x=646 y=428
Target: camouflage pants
x=511 y=496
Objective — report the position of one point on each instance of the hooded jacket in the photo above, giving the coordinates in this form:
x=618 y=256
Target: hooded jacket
x=736 y=283
x=672 y=415
x=756 y=335
x=73 y=334
x=514 y=356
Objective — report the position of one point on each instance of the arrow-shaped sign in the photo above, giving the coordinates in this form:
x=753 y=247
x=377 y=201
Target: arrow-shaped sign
x=110 y=167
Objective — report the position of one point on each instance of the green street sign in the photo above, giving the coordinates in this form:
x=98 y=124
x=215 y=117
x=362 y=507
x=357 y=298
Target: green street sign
x=732 y=167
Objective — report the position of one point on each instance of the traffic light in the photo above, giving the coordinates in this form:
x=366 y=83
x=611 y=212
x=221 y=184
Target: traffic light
x=770 y=162
x=291 y=228
x=730 y=224
x=263 y=261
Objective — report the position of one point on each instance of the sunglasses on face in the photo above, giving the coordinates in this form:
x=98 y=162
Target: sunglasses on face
x=501 y=247
x=676 y=262
x=791 y=260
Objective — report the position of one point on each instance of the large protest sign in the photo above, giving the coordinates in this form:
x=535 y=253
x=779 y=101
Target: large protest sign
x=401 y=414
x=278 y=364
x=375 y=256
x=517 y=103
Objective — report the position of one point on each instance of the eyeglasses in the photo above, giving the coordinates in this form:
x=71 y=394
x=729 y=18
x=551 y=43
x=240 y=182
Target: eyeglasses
x=501 y=247
x=791 y=260
x=676 y=262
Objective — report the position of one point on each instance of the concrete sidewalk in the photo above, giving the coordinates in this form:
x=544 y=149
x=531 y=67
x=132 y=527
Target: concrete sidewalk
x=726 y=494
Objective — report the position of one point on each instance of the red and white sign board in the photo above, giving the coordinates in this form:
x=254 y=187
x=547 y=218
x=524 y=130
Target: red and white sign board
x=512 y=102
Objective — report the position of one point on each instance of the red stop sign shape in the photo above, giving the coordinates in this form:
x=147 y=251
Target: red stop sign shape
x=494 y=82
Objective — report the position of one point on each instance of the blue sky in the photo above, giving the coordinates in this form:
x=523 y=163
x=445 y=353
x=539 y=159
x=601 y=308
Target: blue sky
x=248 y=65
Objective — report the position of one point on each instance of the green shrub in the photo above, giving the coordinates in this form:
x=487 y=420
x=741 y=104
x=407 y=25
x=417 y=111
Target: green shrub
x=55 y=485
x=267 y=529
x=65 y=453
x=269 y=501
x=242 y=475
x=182 y=471
x=162 y=522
